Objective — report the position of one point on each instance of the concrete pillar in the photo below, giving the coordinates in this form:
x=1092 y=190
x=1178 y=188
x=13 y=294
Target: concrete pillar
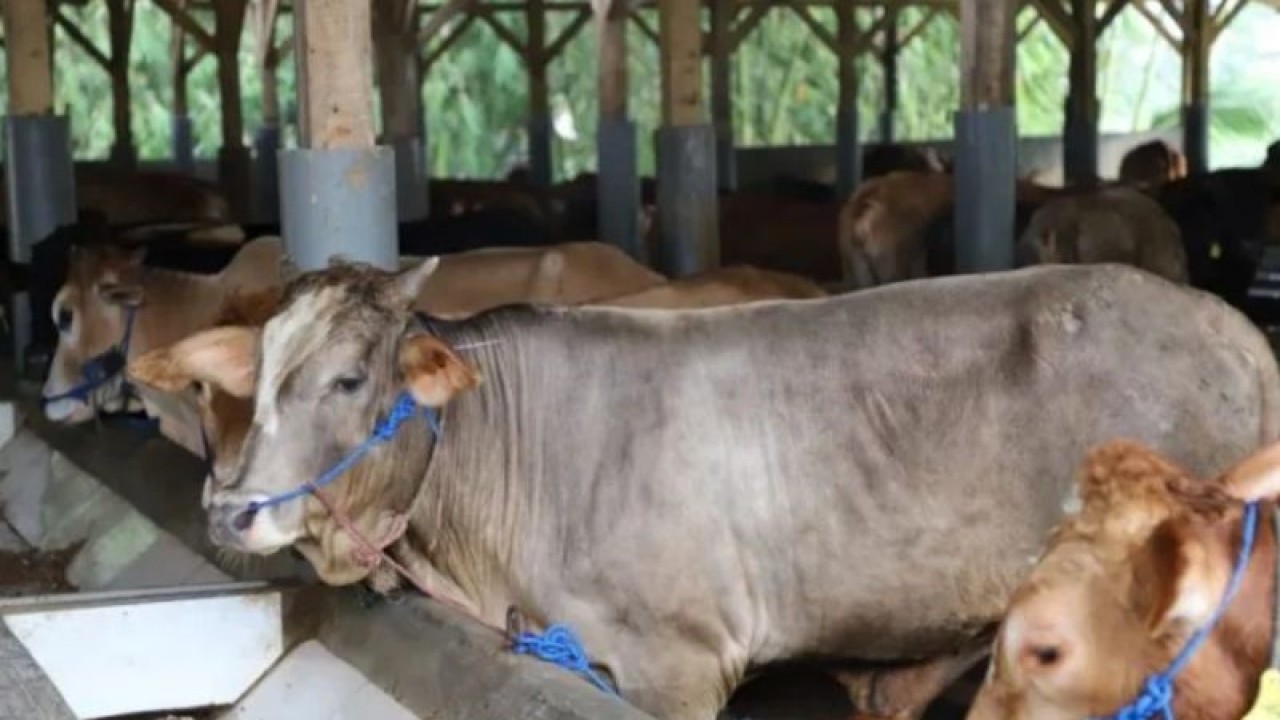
x=986 y=138
x=688 y=213
x=338 y=193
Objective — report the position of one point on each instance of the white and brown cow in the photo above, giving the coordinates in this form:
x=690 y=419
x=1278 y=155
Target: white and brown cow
x=921 y=434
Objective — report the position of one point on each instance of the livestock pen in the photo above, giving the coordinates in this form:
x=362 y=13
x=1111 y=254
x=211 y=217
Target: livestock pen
x=115 y=602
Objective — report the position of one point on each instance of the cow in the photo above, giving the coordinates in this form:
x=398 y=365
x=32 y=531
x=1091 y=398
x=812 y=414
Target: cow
x=224 y=415
x=781 y=234
x=112 y=306
x=107 y=286
x=1127 y=579
x=1113 y=225
x=133 y=197
x=917 y=432
x=1224 y=219
x=1152 y=164
x=722 y=286
x=881 y=235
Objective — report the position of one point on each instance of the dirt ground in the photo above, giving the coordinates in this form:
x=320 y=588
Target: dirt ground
x=34 y=573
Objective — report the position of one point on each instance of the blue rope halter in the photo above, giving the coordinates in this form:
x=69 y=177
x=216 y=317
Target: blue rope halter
x=1157 y=693
x=404 y=409
x=102 y=368
x=559 y=646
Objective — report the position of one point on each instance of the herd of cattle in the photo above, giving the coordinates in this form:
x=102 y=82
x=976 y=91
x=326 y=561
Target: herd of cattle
x=765 y=463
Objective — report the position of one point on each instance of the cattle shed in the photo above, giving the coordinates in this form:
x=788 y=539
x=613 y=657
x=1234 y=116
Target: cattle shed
x=112 y=514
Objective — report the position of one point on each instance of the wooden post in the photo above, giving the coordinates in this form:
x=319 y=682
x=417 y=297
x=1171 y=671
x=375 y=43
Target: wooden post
x=337 y=189
x=28 y=51
x=181 y=141
x=1195 y=84
x=41 y=192
x=536 y=61
x=618 y=182
x=848 y=147
x=234 y=171
x=687 y=198
x=722 y=15
x=120 y=24
x=400 y=87
x=986 y=137
x=266 y=141
x=889 y=66
x=1080 y=134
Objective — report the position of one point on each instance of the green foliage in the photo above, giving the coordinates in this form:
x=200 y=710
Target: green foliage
x=784 y=88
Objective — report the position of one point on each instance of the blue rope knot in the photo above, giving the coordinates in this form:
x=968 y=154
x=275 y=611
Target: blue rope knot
x=559 y=646
x=1156 y=698
x=400 y=413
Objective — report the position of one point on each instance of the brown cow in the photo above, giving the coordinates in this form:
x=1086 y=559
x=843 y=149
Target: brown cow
x=723 y=286
x=127 y=198
x=1126 y=581
x=1116 y=224
x=105 y=287
x=881 y=227
x=1152 y=164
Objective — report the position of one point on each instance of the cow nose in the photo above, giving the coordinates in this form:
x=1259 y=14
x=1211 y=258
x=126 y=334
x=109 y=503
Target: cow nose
x=228 y=521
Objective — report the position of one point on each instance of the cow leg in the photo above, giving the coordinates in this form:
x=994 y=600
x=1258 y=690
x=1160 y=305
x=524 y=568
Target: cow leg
x=903 y=693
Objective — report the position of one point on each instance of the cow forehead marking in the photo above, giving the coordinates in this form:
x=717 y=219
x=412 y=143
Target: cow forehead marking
x=289 y=339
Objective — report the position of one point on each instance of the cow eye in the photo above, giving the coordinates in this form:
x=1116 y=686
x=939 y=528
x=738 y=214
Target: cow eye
x=198 y=387
x=349 y=383
x=64 y=319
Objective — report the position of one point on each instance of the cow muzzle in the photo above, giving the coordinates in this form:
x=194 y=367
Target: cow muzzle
x=241 y=526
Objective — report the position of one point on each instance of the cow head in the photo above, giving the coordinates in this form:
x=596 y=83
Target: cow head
x=91 y=313
x=1123 y=585
x=343 y=346
x=218 y=367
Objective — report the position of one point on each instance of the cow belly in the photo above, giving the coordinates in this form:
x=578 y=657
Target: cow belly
x=887 y=470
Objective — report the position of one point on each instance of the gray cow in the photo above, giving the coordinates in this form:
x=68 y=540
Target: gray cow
x=702 y=493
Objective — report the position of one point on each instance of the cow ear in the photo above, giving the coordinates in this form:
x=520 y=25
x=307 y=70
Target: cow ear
x=1257 y=478
x=408 y=284
x=433 y=372
x=223 y=357
x=159 y=369
x=1180 y=581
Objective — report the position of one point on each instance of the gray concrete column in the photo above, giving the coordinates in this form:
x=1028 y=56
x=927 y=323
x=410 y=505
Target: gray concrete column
x=339 y=202
x=986 y=178
x=411 y=179
x=688 y=204
x=618 y=188
x=182 y=143
x=266 y=179
x=1195 y=137
x=41 y=197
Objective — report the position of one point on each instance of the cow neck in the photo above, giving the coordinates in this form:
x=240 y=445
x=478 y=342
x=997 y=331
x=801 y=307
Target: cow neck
x=471 y=506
